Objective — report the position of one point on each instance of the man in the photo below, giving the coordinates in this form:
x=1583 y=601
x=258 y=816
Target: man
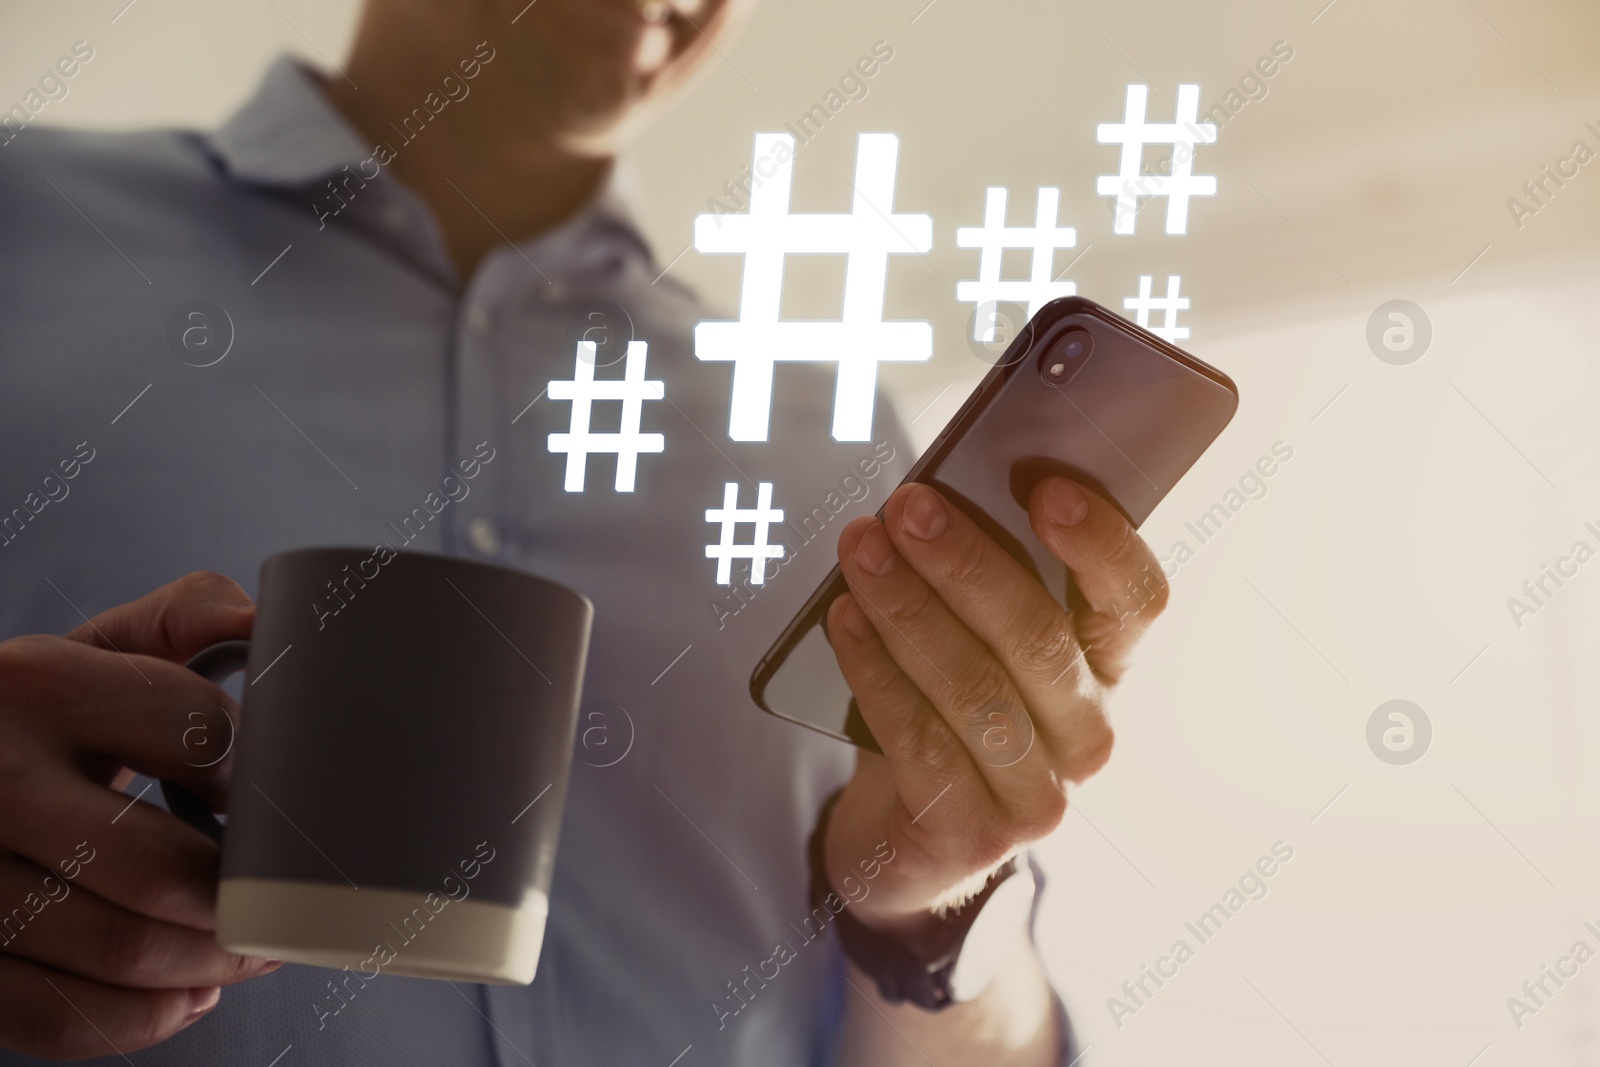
x=400 y=257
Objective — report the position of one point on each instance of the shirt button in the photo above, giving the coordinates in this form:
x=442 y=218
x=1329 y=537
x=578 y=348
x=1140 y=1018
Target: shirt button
x=479 y=321
x=555 y=292
x=484 y=536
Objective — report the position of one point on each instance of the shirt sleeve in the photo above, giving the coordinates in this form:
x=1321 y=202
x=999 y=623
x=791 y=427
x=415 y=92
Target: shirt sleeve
x=1070 y=1053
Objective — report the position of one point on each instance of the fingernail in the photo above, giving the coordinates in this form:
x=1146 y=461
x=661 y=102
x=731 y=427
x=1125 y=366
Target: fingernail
x=203 y=998
x=874 y=553
x=271 y=966
x=925 y=516
x=1065 y=503
x=855 y=621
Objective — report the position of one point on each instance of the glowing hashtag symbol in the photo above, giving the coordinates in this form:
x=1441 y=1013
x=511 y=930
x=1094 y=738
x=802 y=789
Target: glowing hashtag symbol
x=1044 y=237
x=761 y=517
x=860 y=340
x=1143 y=304
x=628 y=442
x=1133 y=133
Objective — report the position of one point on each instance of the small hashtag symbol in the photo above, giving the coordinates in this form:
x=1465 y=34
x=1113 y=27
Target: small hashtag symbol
x=1133 y=133
x=1143 y=304
x=1044 y=237
x=628 y=442
x=761 y=517
x=861 y=339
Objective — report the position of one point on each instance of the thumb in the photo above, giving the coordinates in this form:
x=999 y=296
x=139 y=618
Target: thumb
x=175 y=621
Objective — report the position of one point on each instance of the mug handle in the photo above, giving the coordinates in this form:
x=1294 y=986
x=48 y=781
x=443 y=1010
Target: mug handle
x=214 y=664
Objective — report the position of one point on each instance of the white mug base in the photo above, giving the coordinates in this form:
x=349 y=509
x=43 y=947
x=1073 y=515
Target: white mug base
x=382 y=931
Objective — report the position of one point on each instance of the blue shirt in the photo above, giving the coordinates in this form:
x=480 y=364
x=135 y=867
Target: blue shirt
x=361 y=369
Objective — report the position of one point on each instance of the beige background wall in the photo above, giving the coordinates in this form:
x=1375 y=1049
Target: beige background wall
x=1379 y=563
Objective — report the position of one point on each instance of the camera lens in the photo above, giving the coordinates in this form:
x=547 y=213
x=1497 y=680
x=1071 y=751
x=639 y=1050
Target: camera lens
x=1064 y=358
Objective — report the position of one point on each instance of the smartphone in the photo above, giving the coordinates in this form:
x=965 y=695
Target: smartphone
x=1080 y=392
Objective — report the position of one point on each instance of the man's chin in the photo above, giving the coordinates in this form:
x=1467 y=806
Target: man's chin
x=604 y=128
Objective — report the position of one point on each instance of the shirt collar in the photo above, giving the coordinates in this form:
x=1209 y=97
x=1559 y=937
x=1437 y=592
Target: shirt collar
x=288 y=133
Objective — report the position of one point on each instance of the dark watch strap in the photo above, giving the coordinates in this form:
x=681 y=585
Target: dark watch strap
x=900 y=974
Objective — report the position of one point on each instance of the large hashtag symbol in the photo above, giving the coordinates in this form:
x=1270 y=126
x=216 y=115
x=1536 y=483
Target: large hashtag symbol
x=861 y=340
x=627 y=442
x=1044 y=237
x=1133 y=133
x=1143 y=304
x=761 y=517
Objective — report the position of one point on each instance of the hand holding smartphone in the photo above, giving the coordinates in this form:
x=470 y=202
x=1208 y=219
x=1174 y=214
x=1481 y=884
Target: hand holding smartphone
x=1081 y=393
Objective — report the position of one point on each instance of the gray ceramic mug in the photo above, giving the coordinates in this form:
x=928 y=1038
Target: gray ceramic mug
x=401 y=766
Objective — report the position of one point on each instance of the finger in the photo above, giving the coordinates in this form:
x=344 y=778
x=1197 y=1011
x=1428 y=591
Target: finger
x=1122 y=583
x=955 y=671
x=1016 y=618
x=175 y=621
x=939 y=795
x=130 y=853
x=61 y=1016
x=63 y=925
x=995 y=596
x=925 y=756
x=137 y=712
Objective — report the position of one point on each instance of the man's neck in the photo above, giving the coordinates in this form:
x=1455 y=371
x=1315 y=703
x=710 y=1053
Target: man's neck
x=483 y=163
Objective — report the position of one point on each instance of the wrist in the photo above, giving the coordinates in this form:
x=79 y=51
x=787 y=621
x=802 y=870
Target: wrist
x=919 y=956
x=925 y=930
x=922 y=932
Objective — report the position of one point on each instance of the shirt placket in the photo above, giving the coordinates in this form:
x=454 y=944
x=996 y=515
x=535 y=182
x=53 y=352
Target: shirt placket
x=509 y=313
x=481 y=430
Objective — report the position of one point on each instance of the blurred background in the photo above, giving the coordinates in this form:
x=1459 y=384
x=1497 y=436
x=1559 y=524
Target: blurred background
x=1374 y=165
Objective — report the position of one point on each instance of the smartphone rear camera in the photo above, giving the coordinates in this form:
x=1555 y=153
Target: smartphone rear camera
x=1065 y=358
